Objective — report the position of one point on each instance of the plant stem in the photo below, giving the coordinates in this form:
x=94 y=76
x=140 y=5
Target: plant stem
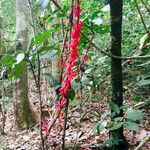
x=65 y=124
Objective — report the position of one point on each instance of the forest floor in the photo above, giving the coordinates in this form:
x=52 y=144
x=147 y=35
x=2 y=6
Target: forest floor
x=80 y=133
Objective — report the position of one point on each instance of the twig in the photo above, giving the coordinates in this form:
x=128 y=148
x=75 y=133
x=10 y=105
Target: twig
x=53 y=121
x=57 y=5
x=37 y=81
x=148 y=9
x=143 y=142
x=65 y=124
x=114 y=56
x=142 y=19
x=40 y=100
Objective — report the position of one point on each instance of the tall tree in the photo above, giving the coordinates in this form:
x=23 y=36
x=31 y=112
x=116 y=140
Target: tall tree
x=116 y=71
x=24 y=115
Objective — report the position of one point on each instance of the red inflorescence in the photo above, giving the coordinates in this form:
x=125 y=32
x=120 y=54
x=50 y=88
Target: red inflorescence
x=69 y=64
x=77 y=10
x=69 y=72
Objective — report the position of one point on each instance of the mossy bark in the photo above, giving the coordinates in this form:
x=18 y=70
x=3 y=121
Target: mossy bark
x=24 y=114
x=116 y=70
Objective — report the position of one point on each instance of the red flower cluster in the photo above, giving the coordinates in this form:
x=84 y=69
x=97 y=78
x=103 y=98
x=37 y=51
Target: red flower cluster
x=77 y=10
x=69 y=66
x=69 y=72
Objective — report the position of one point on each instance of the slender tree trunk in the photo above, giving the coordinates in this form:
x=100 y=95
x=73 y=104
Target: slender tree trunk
x=0 y=27
x=24 y=115
x=116 y=70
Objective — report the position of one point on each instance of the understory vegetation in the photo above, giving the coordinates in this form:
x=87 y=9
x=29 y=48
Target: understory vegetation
x=74 y=74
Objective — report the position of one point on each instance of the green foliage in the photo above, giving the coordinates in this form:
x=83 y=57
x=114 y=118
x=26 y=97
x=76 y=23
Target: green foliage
x=7 y=60
x=110 y=142
x=134 y=115
x=129 y=120
x=39 y=38
x=131 y=125
x=71 y=94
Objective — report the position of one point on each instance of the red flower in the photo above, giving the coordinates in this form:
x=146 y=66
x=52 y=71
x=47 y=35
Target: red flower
x=77 y=10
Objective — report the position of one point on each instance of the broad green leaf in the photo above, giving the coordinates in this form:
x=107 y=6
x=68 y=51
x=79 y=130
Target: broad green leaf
x=101 y=126
x=118 y=119
x=131 y=125
x=17 y=70
x=71 y=94
x=116 y=126
x=137 y=98
x=7 y=60
x=40 y=38
x=114 y=107
x=134 y=115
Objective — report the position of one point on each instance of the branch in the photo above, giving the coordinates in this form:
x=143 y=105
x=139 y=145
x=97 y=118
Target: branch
x=143 y=142
x=53 y=121
x=146 y=6
x=142 y=19
x=57 y=5
x=114 y=56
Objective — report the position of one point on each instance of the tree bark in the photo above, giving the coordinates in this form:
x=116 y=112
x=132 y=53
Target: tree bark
x=0 y=28
x=116 y=70
x=24 y=114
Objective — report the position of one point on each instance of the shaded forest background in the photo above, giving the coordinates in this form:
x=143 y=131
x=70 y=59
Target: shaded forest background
x=102 y=102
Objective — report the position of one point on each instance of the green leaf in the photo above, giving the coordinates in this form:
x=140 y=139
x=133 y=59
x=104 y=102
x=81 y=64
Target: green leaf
x=17 y=70
x=114 y=107
x=134 y=115
x=7 y=60
x=71 y=94
x=101 y=126
x=137 y=98
x=40 y=38
x=118 y=119
x=116 y=126
x=131 y=125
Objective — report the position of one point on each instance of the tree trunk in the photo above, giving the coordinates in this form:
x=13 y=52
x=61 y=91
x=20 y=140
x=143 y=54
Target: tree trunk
x=116 y=70
x=0 y=27
x=24 y=115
